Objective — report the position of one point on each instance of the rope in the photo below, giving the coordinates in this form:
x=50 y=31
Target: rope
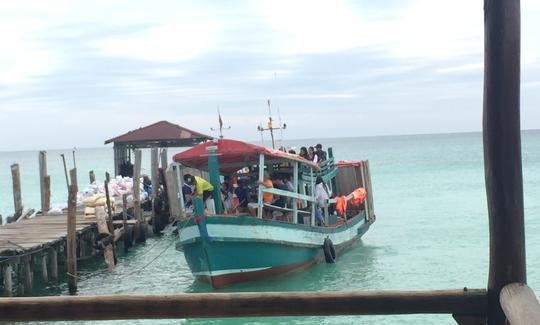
x=157 y=256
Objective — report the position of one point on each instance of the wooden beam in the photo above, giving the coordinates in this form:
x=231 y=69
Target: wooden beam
x=202 y=305
x=502 y=150
x=520 y=304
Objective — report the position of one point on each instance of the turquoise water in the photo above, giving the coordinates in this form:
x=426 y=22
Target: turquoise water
x=431 y=230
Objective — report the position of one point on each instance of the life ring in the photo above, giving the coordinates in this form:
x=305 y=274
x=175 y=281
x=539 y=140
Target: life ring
x=329 y=251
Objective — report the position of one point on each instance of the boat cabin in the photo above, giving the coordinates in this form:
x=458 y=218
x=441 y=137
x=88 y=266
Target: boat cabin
x=237 y=160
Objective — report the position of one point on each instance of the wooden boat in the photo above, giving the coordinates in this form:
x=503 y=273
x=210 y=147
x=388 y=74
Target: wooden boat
x=227 y=248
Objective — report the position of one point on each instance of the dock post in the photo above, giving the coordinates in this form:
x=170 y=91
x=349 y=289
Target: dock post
x=173 y=192
x=312 y=192
x=502 y=150
x=137 y=212
x=92 y=176
x=108 y=254
x=27 y=273
x=44 y=183
x=295 y=185
x=155 y=179
x=44 y=271
x=127 y=236
x=163 y=159
x=71 y=234
x=17 y=197
x=53 y=263
x=8 y=280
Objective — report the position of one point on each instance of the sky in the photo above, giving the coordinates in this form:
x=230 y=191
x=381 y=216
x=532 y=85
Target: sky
x=75 y=73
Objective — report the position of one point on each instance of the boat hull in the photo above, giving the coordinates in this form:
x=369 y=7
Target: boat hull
x=226 y=250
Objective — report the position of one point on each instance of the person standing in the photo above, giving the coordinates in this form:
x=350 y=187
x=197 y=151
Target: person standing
x=201 y=186
x=321 y=154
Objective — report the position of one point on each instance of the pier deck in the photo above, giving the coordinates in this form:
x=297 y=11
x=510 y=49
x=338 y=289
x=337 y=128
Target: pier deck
x=38 y=233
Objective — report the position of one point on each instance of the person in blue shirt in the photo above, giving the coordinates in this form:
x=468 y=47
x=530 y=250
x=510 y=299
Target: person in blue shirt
x=243 y=196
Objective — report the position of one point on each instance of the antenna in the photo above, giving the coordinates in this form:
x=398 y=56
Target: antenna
x=221 y=128
x=271 y=127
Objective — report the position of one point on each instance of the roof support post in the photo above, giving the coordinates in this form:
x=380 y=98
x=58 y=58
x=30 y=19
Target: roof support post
x=313 y=197
x=502 y=150
x=261 y=186
x=180 y=182
x=213 y=174
x=295 y=184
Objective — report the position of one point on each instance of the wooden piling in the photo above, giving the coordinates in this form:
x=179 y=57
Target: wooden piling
x=17 y=197
x=154 y=172
x=102 y=227
x=163 y=156
x=44 y=271
x=71 y=234
x=172 y=192
x=127 y=241
x=28 y=276
x=92 y=177
x=53 y=263
x=502 y=150
x=137 y=211
x=44 y=183
x=8 y=280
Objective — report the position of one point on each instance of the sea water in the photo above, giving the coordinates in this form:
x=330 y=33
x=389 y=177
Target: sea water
x=431 y=230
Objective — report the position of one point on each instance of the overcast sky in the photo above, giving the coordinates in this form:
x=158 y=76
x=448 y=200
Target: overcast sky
x=74 y=73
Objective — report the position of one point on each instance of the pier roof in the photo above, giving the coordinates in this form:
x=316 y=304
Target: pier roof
x=160 y=134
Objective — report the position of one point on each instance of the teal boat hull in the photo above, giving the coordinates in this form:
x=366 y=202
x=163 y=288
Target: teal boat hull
x=223 y=250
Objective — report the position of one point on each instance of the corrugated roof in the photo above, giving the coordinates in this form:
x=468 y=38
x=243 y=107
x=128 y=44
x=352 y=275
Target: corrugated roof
x=159 y=131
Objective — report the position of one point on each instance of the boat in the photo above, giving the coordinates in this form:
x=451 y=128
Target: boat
x=224 y=248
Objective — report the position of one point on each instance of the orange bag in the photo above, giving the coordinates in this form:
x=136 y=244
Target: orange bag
x=358 y=196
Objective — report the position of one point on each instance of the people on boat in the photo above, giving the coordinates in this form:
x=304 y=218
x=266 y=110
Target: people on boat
x=201 y=186
x=321 y=199
x=187 y=192
x=242 y=195
x=312 y=156
x=321 y=154
x=227 y=195
x=304 y=153
x=147 y=185
x=267 y=197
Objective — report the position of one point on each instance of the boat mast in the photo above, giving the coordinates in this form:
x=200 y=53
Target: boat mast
x=271 y=127
x=221 y=128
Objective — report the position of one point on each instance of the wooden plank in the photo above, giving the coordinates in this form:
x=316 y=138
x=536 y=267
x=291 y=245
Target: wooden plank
x=502 y=150
x=136 y=186
x=17 y=198
x=520 y=304
x=127 y=244
x=258 y=304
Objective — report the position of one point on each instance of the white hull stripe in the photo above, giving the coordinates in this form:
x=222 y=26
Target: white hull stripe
x=223 y=272
x=271 y=233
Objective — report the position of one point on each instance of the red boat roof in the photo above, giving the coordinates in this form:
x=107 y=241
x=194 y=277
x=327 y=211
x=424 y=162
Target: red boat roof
x=234 y=155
